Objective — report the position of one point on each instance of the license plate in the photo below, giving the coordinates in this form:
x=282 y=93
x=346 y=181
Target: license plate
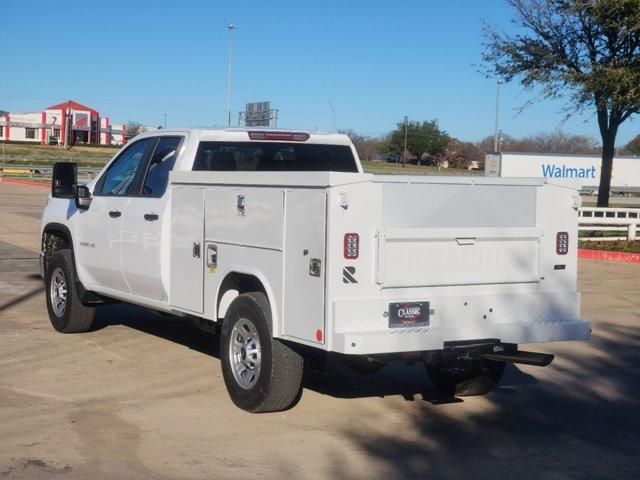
x=409 y=314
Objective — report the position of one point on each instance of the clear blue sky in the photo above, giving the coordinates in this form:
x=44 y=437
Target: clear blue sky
x=375 y=60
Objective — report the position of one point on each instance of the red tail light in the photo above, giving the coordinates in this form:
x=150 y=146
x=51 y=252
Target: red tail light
x=351 y=246
x=562 y=243
x=280 y=136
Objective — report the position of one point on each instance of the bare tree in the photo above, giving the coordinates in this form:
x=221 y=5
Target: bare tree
x=459 y=154
x=633 y=147
x=367 y=147
x=560 y=142
x=132 y=129
x=545 y=142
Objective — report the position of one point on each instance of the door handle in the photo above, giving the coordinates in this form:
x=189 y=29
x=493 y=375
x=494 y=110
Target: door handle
x=212 y=256
x=114 y=213
x=150 y=217
x=466 y=240
x=196 y=250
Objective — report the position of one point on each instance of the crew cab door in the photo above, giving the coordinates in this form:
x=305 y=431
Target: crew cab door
x=145 y=217
x=99 y=228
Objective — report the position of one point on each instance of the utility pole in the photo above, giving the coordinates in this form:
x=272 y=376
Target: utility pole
x=165 y=121
x=67 y=126
x=334 y=115
x=496 y=133
x=404 y=151
x=231 y=27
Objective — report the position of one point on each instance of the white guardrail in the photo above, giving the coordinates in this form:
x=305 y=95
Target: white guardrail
x=623 y=220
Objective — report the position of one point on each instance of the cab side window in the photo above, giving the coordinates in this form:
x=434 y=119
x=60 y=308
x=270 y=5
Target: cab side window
x=120 y=179
x=161 y=163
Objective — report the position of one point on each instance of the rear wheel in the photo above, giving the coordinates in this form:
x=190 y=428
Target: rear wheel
x=66 y=312
x=466 y=382
x=262 y=374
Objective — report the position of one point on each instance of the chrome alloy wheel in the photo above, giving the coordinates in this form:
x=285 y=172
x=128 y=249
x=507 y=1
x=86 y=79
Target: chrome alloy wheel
x=58 y=292
x=244 y=353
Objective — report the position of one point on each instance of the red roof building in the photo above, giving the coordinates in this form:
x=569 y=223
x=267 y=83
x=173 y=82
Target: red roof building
x=68 y=122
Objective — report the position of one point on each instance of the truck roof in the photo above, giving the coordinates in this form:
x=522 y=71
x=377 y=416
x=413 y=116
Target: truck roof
x=241 y=134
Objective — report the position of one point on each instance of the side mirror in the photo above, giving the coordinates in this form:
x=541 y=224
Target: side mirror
x=64 y=180
x=83 y=197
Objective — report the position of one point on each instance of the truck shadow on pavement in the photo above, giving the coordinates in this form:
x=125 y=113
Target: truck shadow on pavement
x=339 y=381
x=168 y=327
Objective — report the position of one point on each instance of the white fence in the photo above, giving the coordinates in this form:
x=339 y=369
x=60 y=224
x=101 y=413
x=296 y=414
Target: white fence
x=622 y=220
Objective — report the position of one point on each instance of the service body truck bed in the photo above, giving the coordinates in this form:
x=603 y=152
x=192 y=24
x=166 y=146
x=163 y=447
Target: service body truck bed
x=453 y=271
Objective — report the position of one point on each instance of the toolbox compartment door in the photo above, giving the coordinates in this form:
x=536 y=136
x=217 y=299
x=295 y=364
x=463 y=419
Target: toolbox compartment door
x=187 y=229
x=304 y=265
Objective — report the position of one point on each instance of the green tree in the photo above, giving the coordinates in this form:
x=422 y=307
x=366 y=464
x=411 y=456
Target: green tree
x=586 y=49
x=422 y=138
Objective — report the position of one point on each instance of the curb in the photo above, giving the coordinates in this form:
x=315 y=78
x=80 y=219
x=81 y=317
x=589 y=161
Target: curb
x=606 y=255
x=26 y=183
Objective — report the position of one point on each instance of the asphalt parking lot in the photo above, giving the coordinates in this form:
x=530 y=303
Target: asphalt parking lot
x=142 y=396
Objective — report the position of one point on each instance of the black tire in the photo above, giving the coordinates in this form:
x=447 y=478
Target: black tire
x=277 y=383
x=361 y=365
x=466 y=383
x=74 y=317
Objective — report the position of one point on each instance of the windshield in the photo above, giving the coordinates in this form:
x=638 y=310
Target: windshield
x=273 y=157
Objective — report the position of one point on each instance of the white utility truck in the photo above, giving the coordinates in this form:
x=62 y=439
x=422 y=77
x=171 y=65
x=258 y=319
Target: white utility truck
x=280 y=242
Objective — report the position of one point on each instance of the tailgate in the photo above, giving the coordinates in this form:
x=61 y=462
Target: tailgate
x=438 y=232
x=416 y=257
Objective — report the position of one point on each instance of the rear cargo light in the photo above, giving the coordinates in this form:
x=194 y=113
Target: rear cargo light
x=280 y=136
x=351 y=246
x=562 y=243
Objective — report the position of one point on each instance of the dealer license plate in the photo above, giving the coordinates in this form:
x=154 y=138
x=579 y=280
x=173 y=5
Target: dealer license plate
x=409 y=314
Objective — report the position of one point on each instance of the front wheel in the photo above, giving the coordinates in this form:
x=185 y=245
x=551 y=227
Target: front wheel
x=66 y=311
x=262 y=374
x=466 y=382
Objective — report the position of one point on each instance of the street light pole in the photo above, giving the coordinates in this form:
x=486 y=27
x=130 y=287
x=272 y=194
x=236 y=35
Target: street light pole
x=334 y=114
x=496 y=133
x=231 y=27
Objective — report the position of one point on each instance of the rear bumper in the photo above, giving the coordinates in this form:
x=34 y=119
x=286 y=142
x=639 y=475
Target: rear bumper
x=361 y=327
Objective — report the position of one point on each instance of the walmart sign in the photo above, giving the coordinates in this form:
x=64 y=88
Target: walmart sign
x=573 y=170
x=562 y=171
